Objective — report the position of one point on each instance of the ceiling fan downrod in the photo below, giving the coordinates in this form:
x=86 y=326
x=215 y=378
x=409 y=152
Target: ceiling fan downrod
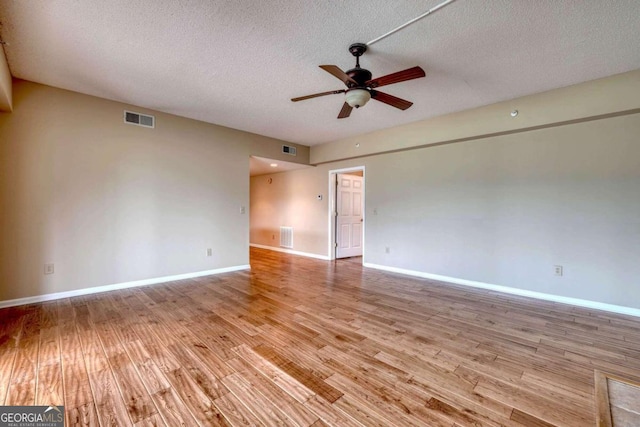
x=357 y=50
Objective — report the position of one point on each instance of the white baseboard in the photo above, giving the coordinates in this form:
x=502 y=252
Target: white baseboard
x=116 y=286
x=291 y=251
x=514 y=291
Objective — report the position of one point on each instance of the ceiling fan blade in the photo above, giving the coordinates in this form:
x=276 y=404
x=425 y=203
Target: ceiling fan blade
x=315 y=95
x=336 y=71
x=345 y=111
x=391 y=100
x=400 y=76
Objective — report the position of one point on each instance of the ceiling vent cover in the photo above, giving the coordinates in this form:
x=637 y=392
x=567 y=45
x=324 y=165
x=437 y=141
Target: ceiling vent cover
x=139 y=119
x=286 y=149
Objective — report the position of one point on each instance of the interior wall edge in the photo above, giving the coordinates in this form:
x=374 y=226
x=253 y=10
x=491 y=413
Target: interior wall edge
x=6 y=98
x=612 y=308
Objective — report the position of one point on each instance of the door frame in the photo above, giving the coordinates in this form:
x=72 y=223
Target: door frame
x=333 y=174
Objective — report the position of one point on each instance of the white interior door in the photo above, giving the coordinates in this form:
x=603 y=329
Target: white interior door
x=349 y=201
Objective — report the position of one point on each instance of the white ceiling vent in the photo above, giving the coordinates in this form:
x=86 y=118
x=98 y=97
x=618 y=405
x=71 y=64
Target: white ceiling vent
x=286 y=149
x=139 y=119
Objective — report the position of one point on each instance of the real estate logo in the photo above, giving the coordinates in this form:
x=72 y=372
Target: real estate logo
x=31 y=416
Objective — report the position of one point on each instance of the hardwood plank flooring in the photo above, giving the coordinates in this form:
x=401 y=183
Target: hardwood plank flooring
x=302 y=342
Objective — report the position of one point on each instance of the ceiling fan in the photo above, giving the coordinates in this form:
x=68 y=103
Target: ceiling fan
x=361 y=87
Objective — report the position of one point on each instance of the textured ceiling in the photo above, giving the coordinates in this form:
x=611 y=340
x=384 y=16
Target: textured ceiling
x=238 y=63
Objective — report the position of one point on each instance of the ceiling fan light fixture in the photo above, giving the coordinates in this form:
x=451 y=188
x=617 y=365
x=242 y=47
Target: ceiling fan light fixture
x=357 y=98
x=361 y=87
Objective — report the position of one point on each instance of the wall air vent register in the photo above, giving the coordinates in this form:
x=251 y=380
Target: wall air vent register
x=286 y=149
x=286 y=237
x=138 y=119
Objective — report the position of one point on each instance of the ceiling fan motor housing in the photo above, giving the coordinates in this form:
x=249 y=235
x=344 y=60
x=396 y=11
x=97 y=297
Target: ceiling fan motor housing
x=360 y=75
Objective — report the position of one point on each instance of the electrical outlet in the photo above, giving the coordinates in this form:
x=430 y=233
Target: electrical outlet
x=48 y=269
x=209 y=252
x=557 y=269
x=243 y=210
x=375 y=211
x=387 y=250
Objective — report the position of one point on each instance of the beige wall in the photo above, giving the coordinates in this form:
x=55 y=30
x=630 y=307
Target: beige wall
x=290 y=199
x=109 y=202
x=505 y=210
x=501 y=210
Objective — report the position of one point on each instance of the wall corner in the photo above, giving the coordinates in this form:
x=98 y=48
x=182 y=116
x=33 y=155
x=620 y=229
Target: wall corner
x=6 y=95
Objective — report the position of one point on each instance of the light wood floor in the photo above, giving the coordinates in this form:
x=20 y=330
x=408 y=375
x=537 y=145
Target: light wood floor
x=296 y=341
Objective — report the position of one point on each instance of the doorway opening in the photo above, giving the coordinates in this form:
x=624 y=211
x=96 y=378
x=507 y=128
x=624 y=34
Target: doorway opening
x=346 y=213
x=267 y=202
